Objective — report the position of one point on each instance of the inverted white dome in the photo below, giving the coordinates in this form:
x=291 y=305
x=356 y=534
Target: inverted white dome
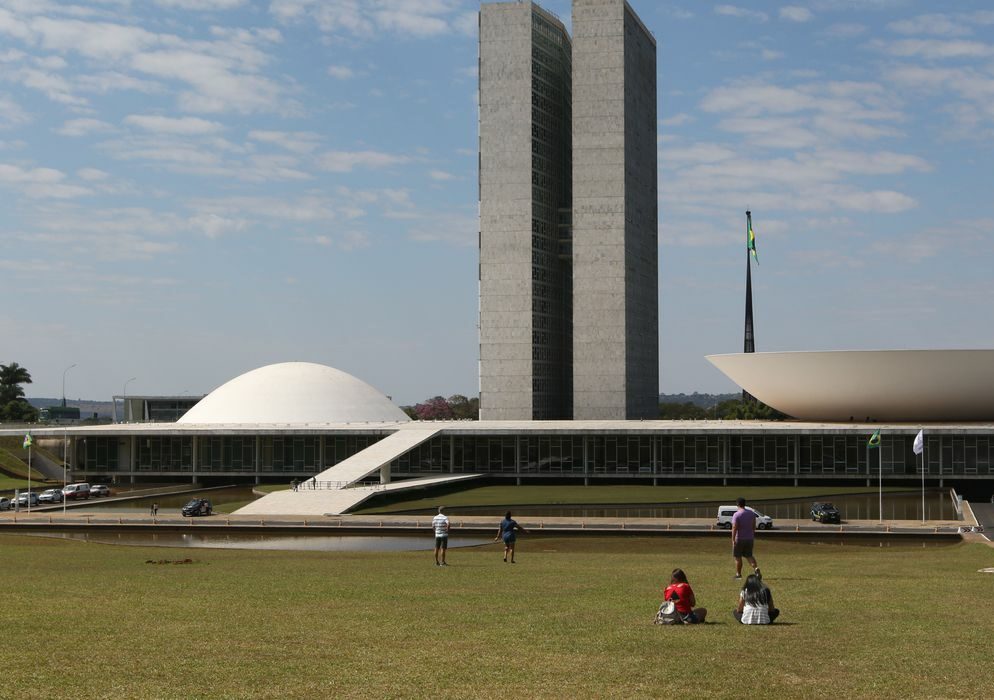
x=884 y=385
x=294 y=392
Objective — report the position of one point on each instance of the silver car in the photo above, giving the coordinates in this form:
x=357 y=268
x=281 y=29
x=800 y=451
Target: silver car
x=50 y=496
x=5 y=503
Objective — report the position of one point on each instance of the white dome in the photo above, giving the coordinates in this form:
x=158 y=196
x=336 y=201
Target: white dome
x=296 y=393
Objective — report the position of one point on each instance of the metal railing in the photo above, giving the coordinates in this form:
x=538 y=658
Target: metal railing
x=314 y=485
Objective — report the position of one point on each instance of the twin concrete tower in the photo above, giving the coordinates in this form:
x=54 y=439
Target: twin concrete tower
x=569 y=313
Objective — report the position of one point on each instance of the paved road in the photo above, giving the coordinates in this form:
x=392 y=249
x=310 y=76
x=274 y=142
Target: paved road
x=984 y=512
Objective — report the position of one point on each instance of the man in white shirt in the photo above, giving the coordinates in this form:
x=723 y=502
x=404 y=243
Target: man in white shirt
x=441 y=524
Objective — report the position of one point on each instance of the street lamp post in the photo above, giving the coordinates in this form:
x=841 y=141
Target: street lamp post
x=124 y=401
x=65 y=437
x=64 y=383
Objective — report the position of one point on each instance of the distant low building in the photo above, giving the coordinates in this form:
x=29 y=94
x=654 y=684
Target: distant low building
x=153 y=409
x=59 y=414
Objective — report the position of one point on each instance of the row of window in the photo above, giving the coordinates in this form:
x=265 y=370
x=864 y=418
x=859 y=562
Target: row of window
x=945 y=455
x=221 y=453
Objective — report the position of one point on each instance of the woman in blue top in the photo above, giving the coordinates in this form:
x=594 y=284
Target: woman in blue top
x=507 y=531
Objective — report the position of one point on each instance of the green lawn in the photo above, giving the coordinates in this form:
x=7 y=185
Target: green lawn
x=9 y=484
x=12 y=465
x=574 y=494
x=570 y=620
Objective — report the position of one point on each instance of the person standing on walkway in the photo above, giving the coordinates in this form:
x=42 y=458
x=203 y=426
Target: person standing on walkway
x=441 y=524
x=154 y=510
x=743 y=537
x=507 y=530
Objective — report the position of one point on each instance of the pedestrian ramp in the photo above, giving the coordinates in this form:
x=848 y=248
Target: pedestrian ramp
x=373 y=458
x=336 y=501
x=333 y=491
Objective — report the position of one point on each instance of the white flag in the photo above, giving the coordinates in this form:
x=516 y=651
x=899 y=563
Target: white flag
x=919 y=445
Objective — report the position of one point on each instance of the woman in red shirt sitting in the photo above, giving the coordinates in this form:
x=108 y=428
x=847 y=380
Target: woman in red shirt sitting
x=680 y=592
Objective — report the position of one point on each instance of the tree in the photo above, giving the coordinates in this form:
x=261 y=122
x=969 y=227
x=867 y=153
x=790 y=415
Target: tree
x=13 y=406
x=11 y=378
x=464 y=408
x=435 y=408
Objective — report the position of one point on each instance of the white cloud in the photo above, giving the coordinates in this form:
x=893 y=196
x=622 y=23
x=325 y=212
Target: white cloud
x=295 y=141
x=224 y=73
x=341 y=72
x=172 y=125
x=40 y=183
x=936 y=24
x=82 y=127
x=213 y=225
x=346 y=161
x=936 y=48
x=91 y=174
x=677 y=120
x=771 y=55
x=206 y=5
x=417 y=18
x=793 y=13
x=741 y=12
x=440 y=175
x=845 y=31
x=445 y=227
x=11 y=113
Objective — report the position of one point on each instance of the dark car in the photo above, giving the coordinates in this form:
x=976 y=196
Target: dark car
x=825 y=513
x=198 y=506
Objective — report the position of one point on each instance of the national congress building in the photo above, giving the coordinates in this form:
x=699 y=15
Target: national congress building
x=568 y=214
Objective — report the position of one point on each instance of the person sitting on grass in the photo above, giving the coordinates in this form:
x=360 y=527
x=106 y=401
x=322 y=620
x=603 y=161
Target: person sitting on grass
x=680 y=592
x=755 y=603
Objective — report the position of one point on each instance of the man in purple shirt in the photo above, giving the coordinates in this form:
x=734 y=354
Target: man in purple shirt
x=743 y=537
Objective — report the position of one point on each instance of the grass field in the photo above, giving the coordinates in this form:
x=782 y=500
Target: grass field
x=599 y=494
x=570 y=620
x=9 y=484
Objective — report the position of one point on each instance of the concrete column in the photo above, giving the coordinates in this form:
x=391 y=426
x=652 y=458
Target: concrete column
x=196 y=458
x=258 y=458
x=385 y=473
x=132 y=458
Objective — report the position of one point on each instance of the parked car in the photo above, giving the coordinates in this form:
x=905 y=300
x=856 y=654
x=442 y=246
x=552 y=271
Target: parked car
x=50 y=496
x=99 y=490
x=25 y=499
x=198 y=506
x=5 y=503
x=825 y=513
x=76 y=492
x=726 y=513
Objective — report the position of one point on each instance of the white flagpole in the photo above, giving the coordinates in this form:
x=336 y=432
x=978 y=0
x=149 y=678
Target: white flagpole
x=880 y=456
x=65 y=463
x=923 y=480
x=29 y=477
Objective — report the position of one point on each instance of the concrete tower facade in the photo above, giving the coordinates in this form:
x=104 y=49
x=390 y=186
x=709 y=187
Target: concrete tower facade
x=525 y=181
x=615 y=242
x=568 y=243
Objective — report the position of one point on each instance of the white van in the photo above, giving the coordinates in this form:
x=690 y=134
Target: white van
x=74 y=492
x=725 y=514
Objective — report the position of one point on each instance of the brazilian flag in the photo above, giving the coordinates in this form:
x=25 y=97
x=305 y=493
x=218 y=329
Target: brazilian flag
x=751 y=238
x=28 y=440
x=874 y=440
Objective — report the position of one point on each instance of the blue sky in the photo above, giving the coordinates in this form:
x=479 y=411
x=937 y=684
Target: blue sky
x=194 y=188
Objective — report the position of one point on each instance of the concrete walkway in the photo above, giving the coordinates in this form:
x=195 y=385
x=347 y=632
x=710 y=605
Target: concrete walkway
x=473 y=524
x=306 y=501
